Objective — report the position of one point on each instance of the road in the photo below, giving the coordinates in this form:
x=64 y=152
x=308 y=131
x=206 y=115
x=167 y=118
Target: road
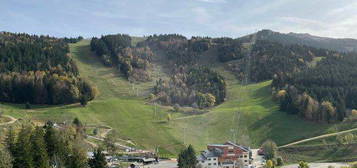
x=319 y=165
x=163 y=164
x=258 y=161
x=319 y=137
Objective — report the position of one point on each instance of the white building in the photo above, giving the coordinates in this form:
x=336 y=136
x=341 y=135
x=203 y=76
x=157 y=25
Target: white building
x=227 y=155
x=208 y=159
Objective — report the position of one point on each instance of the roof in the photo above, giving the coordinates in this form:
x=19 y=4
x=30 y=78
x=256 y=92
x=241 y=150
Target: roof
x=218 y=145
x=209 y=154
x=246 y=149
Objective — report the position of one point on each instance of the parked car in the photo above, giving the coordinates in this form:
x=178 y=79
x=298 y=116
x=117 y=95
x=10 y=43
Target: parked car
x=261 y=151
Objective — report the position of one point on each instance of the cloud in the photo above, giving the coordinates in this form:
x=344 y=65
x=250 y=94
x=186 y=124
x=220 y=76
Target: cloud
x=348 y=7
x=197 y=17
x=201 y=15
x=266 y=6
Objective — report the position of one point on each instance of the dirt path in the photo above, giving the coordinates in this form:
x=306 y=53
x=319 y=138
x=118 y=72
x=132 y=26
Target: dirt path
x=117 y=144
x=94 y=145
x=12 y=120
x=104 y=134
x=318 y=137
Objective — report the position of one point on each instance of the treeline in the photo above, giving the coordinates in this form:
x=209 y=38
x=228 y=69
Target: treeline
x=326 y=92
x=45 y=147
x=72 y=39
x=266 y=59
x=39 y=70
x=116 y=51
x=178 y=49
x=44 y=87
x=196 y=87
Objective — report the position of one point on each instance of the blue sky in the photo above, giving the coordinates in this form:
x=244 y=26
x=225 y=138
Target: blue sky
x=215 y=18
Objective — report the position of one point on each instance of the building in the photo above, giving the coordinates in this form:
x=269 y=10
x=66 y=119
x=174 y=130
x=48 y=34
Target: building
x=227 y=155
x=209 y=158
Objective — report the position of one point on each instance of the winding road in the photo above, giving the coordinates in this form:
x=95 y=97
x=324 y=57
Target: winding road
x=319 y=137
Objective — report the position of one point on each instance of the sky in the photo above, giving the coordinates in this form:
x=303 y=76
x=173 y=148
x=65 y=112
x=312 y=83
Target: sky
x=213 y=18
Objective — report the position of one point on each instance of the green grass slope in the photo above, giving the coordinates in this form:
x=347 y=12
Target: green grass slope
x=249 y=116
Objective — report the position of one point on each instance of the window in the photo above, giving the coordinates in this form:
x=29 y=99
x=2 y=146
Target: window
x=215 y=159
x=214 y=163
x=209 y=164
x=245 y=156
x=245 y=161
x=209 y=158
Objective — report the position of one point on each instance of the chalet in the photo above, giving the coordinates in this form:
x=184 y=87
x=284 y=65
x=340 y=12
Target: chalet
x=227 y=155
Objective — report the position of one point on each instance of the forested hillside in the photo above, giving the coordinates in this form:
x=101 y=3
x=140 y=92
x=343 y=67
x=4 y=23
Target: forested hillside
x=266 y=58
x=178 y=49
x=326 y=92
x=116 y=51
x=39 y=70
x=190 y=84
x=196 y=87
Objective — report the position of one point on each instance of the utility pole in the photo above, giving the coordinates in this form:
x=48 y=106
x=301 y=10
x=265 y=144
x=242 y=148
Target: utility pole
x=184 y=135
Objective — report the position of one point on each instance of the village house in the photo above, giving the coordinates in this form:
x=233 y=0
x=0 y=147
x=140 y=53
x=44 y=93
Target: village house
x=227 y=155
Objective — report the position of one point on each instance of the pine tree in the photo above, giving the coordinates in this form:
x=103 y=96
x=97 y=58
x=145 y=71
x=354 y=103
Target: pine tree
x=10 y=141
x=77 y=122
x=98 y=160
x=23 y=155
x=50 y=140
x=187 y=158
x=39 y=151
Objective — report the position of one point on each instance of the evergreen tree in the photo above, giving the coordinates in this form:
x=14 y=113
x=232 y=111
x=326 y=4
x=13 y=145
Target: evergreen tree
x=98 y=160
x=187 y=158
x=11 y=141
x=83 y=100
x=40 y=157
x=51 y=140
x=23 y=155
x=77 y=122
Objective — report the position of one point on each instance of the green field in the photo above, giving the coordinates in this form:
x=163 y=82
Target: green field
x=249 y=115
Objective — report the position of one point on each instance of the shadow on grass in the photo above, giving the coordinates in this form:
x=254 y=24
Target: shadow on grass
x=263 y=94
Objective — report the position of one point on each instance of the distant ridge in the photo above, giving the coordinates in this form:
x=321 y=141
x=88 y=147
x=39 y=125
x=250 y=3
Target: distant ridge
x=336 y=44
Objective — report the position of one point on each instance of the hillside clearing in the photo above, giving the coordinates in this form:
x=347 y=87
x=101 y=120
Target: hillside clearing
x=249 y=116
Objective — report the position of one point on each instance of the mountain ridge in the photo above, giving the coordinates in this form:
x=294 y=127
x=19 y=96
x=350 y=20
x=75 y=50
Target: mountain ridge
x=336 y=44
